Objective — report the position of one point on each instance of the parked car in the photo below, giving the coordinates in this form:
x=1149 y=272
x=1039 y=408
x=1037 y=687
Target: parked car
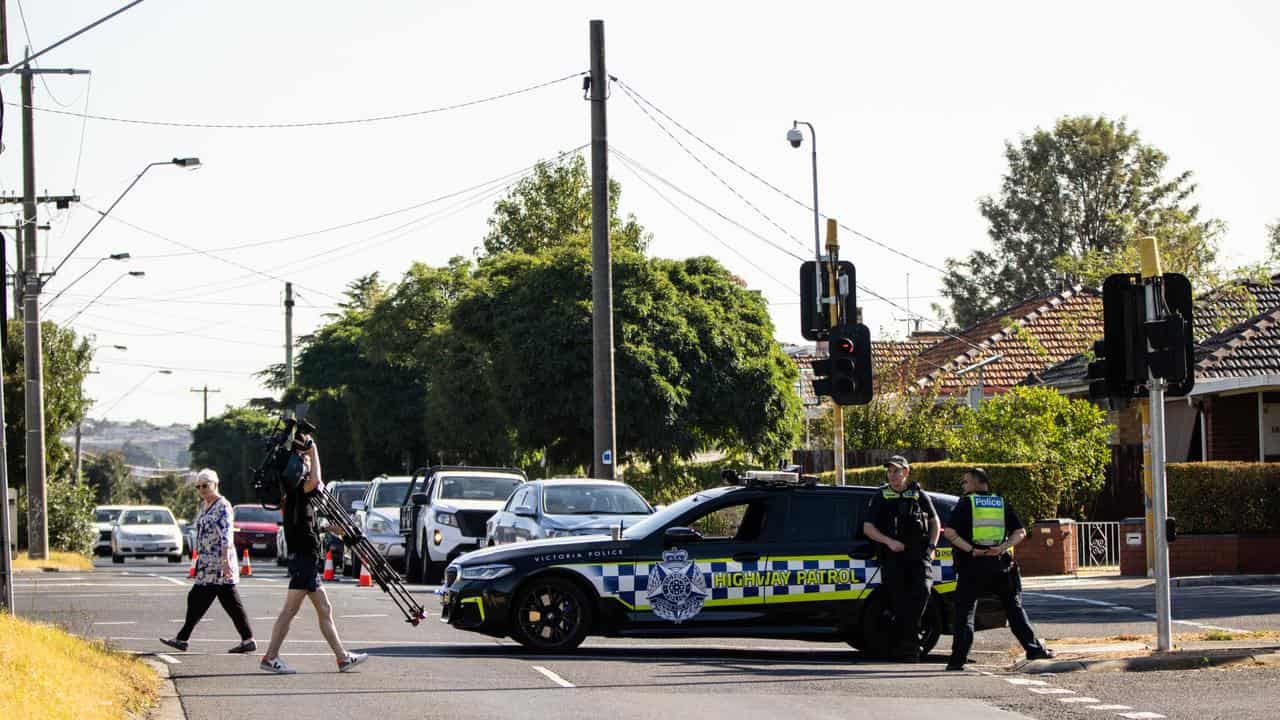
x=254 y=529
x=347 y=494
x=766 y=557
x=447 y=518
x=146 y=531
x=376 y=517
x=104 y=516
x=563 y=507
x=188 y=529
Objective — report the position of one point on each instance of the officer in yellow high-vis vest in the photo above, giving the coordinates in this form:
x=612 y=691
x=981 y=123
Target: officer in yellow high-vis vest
x=982 y=530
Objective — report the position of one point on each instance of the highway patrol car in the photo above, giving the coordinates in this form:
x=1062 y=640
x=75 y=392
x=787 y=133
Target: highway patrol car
x=772 y=555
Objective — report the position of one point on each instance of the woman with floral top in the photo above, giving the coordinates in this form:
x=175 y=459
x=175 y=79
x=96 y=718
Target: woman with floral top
x=216 y=570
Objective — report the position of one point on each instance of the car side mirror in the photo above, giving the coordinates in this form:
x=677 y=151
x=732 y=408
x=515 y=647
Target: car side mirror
x=358 y=505
x=420 y=499
x=681 y=536
x=525 y=511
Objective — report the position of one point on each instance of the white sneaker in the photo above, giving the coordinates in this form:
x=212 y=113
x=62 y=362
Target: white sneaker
x=275 y=666
x=352 y=660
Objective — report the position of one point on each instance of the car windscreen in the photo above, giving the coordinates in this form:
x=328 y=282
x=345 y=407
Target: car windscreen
x=668 y=514
x=146 y=517
x=391 y=493
x=350 y=494
x=593 y=500
x=256 y=514
x=477 y=487
x=106 y=516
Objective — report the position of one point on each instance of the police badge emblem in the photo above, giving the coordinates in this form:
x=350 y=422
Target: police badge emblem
x=676 y=588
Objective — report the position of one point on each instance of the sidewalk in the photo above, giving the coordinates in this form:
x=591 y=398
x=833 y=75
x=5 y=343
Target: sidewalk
x=1050 y=582
x=1140 y=657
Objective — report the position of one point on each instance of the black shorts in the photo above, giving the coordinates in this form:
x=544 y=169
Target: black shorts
x=304 y=573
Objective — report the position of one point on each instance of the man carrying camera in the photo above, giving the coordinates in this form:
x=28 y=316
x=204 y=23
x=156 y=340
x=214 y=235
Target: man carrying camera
x=302 y=534
x=982 y=531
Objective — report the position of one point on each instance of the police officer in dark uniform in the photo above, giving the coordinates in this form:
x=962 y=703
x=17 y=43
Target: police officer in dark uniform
x=901 y=518
x=982 y=531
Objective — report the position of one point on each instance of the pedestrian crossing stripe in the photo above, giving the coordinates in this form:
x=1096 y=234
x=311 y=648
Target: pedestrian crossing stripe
x=773 y=579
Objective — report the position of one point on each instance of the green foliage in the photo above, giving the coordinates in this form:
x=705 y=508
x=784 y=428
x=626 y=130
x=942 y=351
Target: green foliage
x=170 y=491
x=1225 y=497
x=231 y=444
x=69 y=508
x=107 y=475
x=667 y=482
x=1028 y=487
x=66 y=362
x=1067 y=438
x=896 y=418
x=1070 y=202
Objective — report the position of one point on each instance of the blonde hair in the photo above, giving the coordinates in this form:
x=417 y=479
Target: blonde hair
x=205 y=475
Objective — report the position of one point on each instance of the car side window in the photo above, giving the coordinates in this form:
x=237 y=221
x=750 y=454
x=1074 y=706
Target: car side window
x=517 y=499
x=824 y=517
x=528 y=499
x=746 y=521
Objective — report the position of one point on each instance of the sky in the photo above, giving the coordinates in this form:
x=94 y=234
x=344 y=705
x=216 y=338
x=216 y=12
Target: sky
x=912 y=103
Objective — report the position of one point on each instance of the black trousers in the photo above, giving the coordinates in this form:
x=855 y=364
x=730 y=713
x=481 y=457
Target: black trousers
x=907 y=582
x=202 y=596
x=972 y=584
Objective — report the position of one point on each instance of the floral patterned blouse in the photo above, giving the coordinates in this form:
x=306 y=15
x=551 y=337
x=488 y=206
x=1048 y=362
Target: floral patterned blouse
x=215 y=545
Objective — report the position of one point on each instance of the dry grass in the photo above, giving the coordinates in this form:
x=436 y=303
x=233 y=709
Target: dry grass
x=49 y=674
x=58 y=560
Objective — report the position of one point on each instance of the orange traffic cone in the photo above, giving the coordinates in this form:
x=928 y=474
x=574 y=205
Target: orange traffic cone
x=192 y=572
x=246 y=568
x=366 y=580
x=328 y=566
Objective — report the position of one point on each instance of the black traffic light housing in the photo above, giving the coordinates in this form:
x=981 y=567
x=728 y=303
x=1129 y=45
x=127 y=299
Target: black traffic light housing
x=845 y=375
x=1123 y=361
x=1172 y=354
x=816 y=324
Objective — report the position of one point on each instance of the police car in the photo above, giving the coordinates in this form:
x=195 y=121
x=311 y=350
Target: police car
x=770 y=555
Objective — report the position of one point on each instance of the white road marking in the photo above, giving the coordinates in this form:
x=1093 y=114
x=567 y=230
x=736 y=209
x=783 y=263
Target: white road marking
x=1144 y=715
x=1117 y=608
x=118 y=622
x=553 y=677
x=169 y=659
x=1110 y=707
x=363 y=616
x=1054 y=691
x=267 y=617
x=1078 y=700
x=1024 y=681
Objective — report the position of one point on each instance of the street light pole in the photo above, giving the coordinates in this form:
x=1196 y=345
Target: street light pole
x=795 y=137
x=113 y=256
x=131 y=273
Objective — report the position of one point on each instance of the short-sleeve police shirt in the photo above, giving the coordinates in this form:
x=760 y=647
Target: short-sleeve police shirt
x=962 y=523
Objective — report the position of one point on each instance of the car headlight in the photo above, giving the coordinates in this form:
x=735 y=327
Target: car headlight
x=379 y=526
x=484 y=572
x=447 y=518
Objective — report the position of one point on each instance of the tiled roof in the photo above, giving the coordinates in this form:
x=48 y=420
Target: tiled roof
x=804 y=385
x=1247 y=349
x=1030 y=336
x=1222 y=308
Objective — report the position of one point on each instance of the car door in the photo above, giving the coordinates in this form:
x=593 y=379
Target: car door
x=821 y=562
x=525 y=514
x=504 y=520
x=726 y=592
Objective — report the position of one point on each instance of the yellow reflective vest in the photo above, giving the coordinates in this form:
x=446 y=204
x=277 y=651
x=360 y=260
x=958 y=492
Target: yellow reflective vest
x=988 y=519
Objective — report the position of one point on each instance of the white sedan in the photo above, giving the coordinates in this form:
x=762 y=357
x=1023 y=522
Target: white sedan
x=146 y=531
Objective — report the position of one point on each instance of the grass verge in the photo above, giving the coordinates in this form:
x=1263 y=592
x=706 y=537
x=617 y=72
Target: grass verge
x=58 y=560
x=49 y=674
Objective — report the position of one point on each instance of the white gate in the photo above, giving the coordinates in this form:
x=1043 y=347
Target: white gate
x=1098 y=545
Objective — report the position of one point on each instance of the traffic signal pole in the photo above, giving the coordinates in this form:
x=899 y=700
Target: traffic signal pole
x=1151 y=274
x=837 y=301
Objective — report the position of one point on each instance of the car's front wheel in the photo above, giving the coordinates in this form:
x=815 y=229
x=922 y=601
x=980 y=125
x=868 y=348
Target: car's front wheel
x=551 y=615
x=414 y=570
x=432 y=572
x=879 y=627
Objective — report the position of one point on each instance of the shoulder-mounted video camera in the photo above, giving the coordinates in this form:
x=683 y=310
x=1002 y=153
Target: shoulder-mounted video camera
x=282 y=469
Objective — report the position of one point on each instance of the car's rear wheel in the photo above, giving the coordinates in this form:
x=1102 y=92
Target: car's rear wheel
x=551 y=615
x=414 y=570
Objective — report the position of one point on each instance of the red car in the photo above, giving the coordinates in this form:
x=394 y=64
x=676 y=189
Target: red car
x=255 y=528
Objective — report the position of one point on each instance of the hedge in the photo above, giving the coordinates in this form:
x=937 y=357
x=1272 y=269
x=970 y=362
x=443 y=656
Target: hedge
x=1027 y=486
x=1225 y=497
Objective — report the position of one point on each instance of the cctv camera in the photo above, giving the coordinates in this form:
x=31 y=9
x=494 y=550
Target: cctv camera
x=795 y=137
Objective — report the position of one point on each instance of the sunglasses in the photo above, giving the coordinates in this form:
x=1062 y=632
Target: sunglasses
x=201 y=486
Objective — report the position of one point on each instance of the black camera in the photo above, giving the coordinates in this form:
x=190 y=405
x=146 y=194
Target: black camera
x=282 y=469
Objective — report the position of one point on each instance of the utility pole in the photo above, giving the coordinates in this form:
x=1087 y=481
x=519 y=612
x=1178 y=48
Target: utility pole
x=205 y=390
x=6 y=522
x=605 y=460
x=37 y=526
x=837 y=319
x=1155 y=307
x=288 y=340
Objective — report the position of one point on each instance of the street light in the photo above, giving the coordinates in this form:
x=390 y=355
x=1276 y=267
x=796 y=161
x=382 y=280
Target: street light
x=190 y=163
x=121 y=348
x=113 y=256
x=133 y=273
x=129 y=392
x=796 y=138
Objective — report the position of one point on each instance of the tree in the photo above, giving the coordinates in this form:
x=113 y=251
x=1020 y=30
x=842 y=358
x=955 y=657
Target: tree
x=66 y=362
x=232 y=444
x=1071 y=199
x=899 y=417
x=1037 y=425
x=554 y=204
x=107 y=475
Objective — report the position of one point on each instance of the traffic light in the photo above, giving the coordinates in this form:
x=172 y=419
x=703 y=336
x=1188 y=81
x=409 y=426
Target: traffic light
x=815 y=324
x=1172 y=353
x=849 y=347
x=1123 y=363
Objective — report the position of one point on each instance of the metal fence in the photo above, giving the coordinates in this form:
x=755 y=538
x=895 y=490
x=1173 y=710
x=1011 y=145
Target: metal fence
x=1098 y=545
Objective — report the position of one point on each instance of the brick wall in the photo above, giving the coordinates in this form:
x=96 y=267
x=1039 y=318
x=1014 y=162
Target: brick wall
x=1203 y=554
x=1232 y=424
x=1050 y=549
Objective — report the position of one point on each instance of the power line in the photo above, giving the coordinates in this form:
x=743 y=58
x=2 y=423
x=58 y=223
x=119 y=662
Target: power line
x=249 y=373
x=630 y=90
x=311 y=123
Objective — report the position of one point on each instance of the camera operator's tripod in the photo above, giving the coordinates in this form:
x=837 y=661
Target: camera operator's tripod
x=379 y=569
